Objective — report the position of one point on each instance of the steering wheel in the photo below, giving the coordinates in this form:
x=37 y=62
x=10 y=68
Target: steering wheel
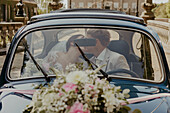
x=133 y=74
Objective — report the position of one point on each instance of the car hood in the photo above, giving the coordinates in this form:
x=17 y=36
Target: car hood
x=141 y=97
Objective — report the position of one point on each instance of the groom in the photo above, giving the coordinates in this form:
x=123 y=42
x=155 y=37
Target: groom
x=102 y=55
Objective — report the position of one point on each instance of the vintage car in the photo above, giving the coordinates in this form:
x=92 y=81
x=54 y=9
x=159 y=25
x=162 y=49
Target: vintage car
x=130 y=53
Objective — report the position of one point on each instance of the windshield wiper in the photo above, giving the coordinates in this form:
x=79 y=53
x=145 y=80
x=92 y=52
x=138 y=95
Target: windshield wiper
x=36 y=64
x=90 y=63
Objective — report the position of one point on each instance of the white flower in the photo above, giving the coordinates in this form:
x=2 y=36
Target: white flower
x=76 y=76
x=116 y=88
x=71 y=67
x=109 y=95
x=91 y=93
x=49 y=98
x=110 y=108
x=126 y=91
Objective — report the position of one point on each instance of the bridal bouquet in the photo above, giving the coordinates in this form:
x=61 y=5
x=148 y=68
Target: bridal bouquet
x=78 y=91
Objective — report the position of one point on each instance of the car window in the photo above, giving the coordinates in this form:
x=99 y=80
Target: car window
x=147 y=58
x=17 y=64
x=37 y=41
x=166 y=46
x=118 y=52
x=137 y=41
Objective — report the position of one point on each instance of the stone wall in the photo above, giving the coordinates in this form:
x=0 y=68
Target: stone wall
x=8 y=9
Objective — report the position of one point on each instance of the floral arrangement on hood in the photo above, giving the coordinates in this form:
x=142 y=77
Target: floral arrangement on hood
x=78 y=91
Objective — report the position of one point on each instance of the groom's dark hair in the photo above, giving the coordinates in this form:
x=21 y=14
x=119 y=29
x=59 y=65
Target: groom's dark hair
x=102 y=34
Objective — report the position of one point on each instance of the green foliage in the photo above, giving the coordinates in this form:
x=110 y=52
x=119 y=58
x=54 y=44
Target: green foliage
x=160 y=11
x=168 y=9
x=44 y=6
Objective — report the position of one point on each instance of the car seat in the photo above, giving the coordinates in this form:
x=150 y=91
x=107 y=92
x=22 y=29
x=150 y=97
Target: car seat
x=122 y=47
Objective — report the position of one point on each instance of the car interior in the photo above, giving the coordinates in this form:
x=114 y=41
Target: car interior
x=126 y=43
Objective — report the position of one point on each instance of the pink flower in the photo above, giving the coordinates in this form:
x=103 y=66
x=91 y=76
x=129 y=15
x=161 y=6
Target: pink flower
x=60 y=94
x=78 y=108
x=69 y=86
x=89 y=86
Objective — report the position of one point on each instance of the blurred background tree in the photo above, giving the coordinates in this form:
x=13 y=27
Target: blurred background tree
x=162 y=10
x=43 y=5
x=168 y=9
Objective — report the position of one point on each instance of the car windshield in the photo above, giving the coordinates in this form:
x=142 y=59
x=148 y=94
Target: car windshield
x=120 y=53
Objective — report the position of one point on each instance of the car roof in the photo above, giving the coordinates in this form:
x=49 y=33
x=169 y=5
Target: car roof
x=88 y=9
x=87 y=13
